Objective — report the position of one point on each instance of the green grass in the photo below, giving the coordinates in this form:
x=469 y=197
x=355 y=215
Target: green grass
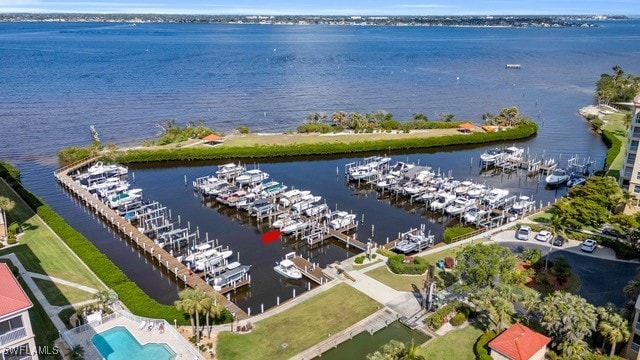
x=396 y=281
x=456 y=344
x=41 y=251
x=300 y=327
x=61 y=295
x=543 y=217
x=615 y=127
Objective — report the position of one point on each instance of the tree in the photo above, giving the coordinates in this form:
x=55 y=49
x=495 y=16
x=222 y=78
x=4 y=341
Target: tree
x=77 y=352
x=316 y=118
x=482 y=265
x=339 y=117
x=493 y=307
x=568 y=319
x=613 y=327
x=211 y=309
x=6 y=205
x=632 y=289
x=561 y=269
x=531 y=255
x=187 y=304
x=396 y=350
x=446 y=117
x=420 y=117
x=356 y=121
x=105 y=297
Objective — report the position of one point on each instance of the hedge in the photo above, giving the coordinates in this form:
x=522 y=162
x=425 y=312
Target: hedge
x=480 y=348
x=451 y=233
x=436 y=319
x=614 y=144
x=459 y=319
x=269 y=151
x=397 y=266
x=129 y=293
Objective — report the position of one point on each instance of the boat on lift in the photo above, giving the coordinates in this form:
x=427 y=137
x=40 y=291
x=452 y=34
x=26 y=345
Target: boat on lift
x=557 y=177
x=288 y=269
x=234 y=273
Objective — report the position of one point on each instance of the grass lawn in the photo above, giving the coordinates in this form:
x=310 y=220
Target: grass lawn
x=347 y=138
x=543 y=217
x=300 y=327
x=615 y=123
x=41 y=251
x=407 y=282
x=362 y=266
x=61 y=295
x=456 y=344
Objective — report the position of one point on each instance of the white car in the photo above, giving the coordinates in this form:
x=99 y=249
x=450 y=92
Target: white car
x=589 y=245
x=544 y=235
x=523 y=233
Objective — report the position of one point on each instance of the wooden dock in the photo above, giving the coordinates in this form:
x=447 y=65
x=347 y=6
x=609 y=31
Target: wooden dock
x=141 y=241
x=348 y=240
x=309 y=270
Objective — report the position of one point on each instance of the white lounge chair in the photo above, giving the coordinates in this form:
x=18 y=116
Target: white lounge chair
x=142 y=324
x=150 y=327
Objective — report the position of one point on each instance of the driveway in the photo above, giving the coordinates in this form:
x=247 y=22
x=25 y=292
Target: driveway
x=601 y=277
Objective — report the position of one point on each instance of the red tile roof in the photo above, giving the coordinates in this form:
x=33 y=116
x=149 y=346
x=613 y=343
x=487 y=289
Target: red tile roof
x=12 y=297
x=467 y=126
x=212 y=137
x=519 y=342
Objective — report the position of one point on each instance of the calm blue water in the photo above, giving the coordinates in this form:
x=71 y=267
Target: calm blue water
x=118 y=344
x=57 y=79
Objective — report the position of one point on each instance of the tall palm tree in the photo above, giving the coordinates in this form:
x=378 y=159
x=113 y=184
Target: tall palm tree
x=615 y=329
x=199 y=307
x=6 y=204
x=187 y=304
x=211 y=309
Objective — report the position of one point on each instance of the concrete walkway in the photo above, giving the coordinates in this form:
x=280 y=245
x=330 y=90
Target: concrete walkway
x=51 y=310
x=63 y=282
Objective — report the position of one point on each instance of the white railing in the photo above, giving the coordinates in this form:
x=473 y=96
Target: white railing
x=13 y=335
x=137 y=319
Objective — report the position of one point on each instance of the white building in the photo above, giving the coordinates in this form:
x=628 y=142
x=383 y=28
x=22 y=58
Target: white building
x=630 y=172
x=16 y=336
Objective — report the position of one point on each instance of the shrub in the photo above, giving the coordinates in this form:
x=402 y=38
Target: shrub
x=315 y=128
x=74 y=154
x=221 y=152
x=12 y=240
x=614 y=144
x=622 y=249
x=480 y=348
x=243 y=129
x=451 y=233
x=373 y=256
x=436 y=319
x=459 y=319
x=385 y=252
x=359 y=260
x=397 y=265
x=13 y=228
x=561 y=269
x=531 y=256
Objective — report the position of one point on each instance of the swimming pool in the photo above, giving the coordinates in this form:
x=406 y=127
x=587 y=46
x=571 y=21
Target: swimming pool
x=118 y=344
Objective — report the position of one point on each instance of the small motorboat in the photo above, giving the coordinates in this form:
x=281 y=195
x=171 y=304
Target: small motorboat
x=557 y=177
x=490 y=156
x=288 y=269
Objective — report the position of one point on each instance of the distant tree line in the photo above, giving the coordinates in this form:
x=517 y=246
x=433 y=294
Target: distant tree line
x=617 y=87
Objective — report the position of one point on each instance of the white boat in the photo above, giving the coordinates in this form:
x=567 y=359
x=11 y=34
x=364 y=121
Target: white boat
x=412 y=241
x=107 y=184
x=124 y=198
x=288 y=269
x=229 y=170
x=289 y=197
x=495 y=196
x=522 y=204
x=316 y=210
x=442 y=201
x=252 y=176
x=305 y=202
x=296 y=225
x=340 y=219
x=459 y=206
x=399 y=168
x=513 y=152
x=490 y=156
x=370 y=167
x=473 y=214
x=575 y=181
x=281 y=221
x=387 y=181
x=557 y=177
x=414 y=188
x=477 y=191
x=215 y=189
x=232 y=275
x=464 y=187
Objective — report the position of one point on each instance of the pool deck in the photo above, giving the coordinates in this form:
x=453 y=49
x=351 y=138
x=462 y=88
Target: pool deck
x=172 y=338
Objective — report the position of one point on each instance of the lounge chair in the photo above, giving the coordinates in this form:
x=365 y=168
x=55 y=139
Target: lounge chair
x=161 y=328
x=143 y=323
x=150 y=327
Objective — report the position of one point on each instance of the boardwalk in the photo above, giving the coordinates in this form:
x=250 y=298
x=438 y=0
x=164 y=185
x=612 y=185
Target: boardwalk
x=311 y=271
x=346 y=239
x=160 y=256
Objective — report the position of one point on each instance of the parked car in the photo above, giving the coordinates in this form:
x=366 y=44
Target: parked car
x=606 y=229
x=544 y=235
x=559 y=241
x=523 y=233
x=589 y=245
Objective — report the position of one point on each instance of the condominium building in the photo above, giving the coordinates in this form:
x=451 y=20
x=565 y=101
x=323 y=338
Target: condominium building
x=16 y=336
x=630 y=172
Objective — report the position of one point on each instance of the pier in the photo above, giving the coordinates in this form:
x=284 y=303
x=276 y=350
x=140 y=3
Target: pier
x=142 y=242
x=310 y=271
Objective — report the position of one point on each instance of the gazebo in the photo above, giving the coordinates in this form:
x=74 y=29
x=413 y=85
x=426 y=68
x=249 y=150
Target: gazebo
x=213 y=139
x=466 y=127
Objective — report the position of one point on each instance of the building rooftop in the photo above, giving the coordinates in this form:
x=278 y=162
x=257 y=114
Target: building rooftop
x=12 y=297
x=519 y=342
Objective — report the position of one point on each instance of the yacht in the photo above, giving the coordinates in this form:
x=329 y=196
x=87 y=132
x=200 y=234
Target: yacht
x=557 y=177
x=316 y=210
x=291 y=196
x=251 y=177
x=523 y=203
x=233 y=274
x=274 y=189
x=124 y=198
x=459 y=206
x=495 y=196
x=443 y=200
x=229 y=170
x=305 y=202
x=281 y=221
x=513 y=152
x=296 y=225
x=473 y=214
x=410 y=242
x=490 y=156
x=216 y=188
x=340 y=219
x=261 y=206
x=288 y=269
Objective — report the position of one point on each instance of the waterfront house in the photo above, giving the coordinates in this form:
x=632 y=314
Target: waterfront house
x=519 y=343
x=16 y=335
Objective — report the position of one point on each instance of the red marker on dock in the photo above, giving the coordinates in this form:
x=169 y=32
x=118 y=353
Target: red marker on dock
x=271 y=236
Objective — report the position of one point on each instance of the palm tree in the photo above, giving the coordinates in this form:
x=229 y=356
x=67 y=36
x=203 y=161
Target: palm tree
x=615 y=329
x=211 y=308
x=199 y=307
x=493 y=307
x=105 y=296
x=627 y=198
x=187 y=304
x=77 y=352
x=7 y=205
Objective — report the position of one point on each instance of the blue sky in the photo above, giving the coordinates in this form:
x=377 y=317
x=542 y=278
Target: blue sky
x=329 y=7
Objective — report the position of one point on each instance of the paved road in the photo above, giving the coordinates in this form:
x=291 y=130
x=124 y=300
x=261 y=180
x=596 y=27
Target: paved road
x=601 y=277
